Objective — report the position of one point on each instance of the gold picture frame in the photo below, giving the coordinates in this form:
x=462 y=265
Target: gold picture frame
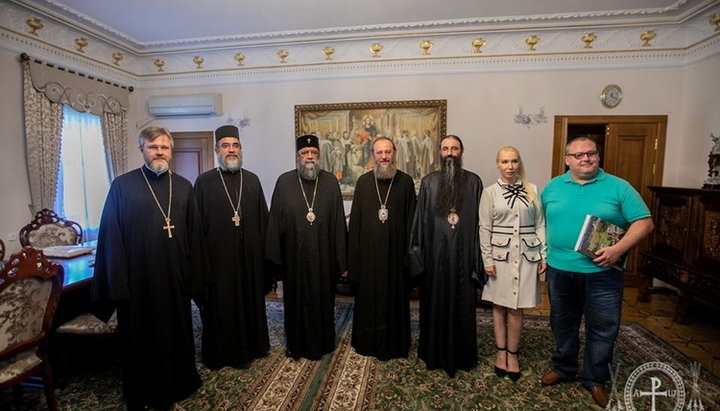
x=346 y=132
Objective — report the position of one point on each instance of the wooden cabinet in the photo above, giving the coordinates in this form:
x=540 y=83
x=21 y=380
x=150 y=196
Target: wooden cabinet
x=685 y=245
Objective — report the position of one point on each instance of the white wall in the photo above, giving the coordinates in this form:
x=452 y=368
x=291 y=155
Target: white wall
x=481 y=108
x=14 y=191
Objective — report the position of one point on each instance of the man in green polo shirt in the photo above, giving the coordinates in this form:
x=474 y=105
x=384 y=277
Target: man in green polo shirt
x=579 y=285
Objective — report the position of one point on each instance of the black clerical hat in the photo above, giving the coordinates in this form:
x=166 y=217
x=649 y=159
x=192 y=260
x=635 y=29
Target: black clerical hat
x=227 y=131
x=306 y=141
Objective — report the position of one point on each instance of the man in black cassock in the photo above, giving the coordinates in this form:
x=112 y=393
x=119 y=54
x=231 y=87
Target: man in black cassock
x=234 y=215
x=380 y=222
x=306 y=241
x=446 y=256
x=149 y=263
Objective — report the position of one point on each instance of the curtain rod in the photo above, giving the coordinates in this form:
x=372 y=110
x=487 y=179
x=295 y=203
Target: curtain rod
x=26 y=57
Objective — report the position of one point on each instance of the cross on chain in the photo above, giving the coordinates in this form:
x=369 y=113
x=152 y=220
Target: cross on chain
x=168 y=227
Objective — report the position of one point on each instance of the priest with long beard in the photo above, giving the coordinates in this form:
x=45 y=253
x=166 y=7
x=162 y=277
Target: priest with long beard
x=380 y=222
x=306 y=243
x=445 y=256
x=234 y=217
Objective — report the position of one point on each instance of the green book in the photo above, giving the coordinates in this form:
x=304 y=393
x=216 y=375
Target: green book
x=597 y=233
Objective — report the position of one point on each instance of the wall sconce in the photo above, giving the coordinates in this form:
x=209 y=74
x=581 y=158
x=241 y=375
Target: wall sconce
x=239 y=123
x=530 y=119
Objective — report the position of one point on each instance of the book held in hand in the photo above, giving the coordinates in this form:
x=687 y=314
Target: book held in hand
x=597 y=233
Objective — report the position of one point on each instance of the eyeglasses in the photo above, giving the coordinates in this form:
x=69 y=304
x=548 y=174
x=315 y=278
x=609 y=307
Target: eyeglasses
x=579 y=156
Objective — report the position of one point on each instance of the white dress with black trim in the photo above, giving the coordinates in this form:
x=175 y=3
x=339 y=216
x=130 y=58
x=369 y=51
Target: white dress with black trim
x=512 y=238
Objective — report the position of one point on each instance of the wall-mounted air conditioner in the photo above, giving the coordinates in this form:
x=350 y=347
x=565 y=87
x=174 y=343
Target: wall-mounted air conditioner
x=185 y=105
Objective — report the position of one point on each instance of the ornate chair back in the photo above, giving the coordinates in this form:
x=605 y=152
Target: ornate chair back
x=30 y=288
x=48 y=229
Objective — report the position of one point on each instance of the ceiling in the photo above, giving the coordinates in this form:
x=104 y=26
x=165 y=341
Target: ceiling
x=161 y=25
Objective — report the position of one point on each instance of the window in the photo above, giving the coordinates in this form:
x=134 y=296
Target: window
x=83 y=180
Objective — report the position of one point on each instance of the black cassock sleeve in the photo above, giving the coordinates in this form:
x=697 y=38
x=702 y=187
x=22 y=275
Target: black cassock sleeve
x=110 y=279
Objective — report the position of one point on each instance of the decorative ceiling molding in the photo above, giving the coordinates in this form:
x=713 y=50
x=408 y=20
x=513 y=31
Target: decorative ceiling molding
x=675 y=13
x=554 y=48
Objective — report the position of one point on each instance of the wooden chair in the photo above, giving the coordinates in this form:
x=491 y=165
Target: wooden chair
x=80 y=334
x=2 y=254
x=48 y=229
x=30 y=288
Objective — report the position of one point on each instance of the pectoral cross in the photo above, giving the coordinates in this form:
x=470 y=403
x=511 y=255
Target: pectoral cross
x=236 y=219
x=168 y=227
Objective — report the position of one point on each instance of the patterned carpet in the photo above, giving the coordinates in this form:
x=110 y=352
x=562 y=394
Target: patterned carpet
x=345 y=380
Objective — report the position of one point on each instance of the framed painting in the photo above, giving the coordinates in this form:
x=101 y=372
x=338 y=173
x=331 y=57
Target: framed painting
x=346 y=132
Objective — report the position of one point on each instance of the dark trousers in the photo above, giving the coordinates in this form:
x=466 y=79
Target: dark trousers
x=597 y=296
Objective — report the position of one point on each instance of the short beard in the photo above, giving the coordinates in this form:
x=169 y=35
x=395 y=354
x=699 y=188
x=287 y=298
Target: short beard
x=230 y=165
x=308 y=173
x=159 y=167
x=451 y=190
x=385 y=172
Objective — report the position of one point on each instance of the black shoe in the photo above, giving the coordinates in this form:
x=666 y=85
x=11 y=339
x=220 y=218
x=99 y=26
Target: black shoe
x=514 y=375
x=499 y=371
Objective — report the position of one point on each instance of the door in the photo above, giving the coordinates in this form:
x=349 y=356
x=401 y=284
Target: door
x=193 y=153
x=631 y=147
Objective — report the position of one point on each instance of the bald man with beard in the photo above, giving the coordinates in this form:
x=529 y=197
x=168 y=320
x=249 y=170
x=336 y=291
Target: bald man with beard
x=445 y=259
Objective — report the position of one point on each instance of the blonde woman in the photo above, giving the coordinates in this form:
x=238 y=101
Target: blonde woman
x=512 y=243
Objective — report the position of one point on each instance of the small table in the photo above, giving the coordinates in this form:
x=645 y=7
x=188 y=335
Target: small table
x=78 y=270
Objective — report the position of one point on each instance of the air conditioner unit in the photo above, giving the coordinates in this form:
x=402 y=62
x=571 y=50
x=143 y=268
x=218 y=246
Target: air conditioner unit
x=185 y=105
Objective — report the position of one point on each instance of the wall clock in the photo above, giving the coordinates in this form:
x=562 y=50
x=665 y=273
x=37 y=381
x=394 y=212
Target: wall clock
x=611 y=96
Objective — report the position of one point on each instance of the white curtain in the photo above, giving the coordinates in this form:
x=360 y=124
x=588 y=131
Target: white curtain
x=85 y=176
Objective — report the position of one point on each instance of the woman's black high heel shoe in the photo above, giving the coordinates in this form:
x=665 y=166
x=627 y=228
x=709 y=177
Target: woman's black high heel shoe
x=513 y=375
x=499 y=371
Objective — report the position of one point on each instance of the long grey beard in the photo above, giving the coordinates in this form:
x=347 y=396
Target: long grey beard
x=450 y=192
x=229 y=165
x=159 y=167
x=385 y=172
x=309 y=173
